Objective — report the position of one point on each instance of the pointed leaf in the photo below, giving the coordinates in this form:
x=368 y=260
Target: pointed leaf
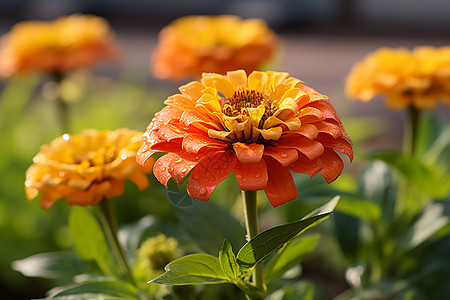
x=431 y=219
x=56 y=265
x=96 y=290
x=269 y=241
x=426 y=178
x=324 y=209
x=193 y=269
x=289 y=256
x=228 y=262
x=88 y=238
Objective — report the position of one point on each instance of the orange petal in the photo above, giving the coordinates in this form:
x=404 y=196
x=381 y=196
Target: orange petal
x=329 y=128
x=248 y=153
x=192 y=89
x=310 y=115
x=194 y=142
x=171 y=131
x=339 y=144
x=280 y=187
x=238 y=79
x=251 y=177
x=306 y=166
x=285 y=156
x=161 y=168
x=179 y=101
x=179 y=168
x=194 y=118
x=312 y=149
x=209 y=173
x=140 y=180
x=332 y=165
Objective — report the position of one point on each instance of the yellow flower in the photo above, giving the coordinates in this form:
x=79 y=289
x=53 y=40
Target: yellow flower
x=192 y=45
x=68 y=43
x=420 y=77
x=85 y=168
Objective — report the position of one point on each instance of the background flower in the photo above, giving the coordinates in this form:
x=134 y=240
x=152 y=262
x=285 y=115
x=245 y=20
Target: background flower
x=420 y=77
x=192 y=45
x=62 y=45
x=85 y=168
x=261 y=127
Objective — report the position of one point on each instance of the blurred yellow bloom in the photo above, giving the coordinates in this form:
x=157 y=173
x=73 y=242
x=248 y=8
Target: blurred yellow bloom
x=68 y=43
x=85 y=168
x=420 y=77
x=192 y=45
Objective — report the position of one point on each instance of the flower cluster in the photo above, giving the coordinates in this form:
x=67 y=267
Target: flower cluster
x=420 y=77
x=85 y=168
x=68 y=43
x=260 y=126
x=192 y=45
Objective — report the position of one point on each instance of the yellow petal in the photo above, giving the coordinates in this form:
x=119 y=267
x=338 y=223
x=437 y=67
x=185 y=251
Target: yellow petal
x=256 y=114
x=238 y=79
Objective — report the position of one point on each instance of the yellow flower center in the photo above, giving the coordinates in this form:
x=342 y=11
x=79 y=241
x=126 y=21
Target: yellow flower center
x=238 y=104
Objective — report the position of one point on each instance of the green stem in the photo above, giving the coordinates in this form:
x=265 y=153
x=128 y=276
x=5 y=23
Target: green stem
x=411 y=134
x=61 y=105
x=251 y=223
x=110 y=226
x=411 y=131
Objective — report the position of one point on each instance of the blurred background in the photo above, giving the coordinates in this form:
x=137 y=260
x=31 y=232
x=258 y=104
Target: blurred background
x=322 y=39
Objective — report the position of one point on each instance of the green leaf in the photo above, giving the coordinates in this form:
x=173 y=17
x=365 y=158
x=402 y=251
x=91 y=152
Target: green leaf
x=208 y=224
x=269 y=241
x=88 y=238
x=324 y=209
x=430 y=220
x=303 y=290
x=95 y=290
x=228 y=262
x=290 y=255
x=426 y=178
x=359 y=208
x=55 y=265
x=193 y=269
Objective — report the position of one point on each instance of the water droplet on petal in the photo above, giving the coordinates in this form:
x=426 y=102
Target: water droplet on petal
x=257 y=175
x=61 y=174
x=123 y=156
x=179 y=160
x=283 y=155
x=28 y=183
x=66 y=136
x=183 y=170
x=36 y=159
x=203 y=191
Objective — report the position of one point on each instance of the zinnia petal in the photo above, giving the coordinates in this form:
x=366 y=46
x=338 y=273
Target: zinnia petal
x=249 y=153
x=280 y=187
x=209 y=173
x=251 y=176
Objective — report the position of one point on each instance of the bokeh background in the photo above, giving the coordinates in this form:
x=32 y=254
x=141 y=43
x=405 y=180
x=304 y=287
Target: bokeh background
x=322 y=39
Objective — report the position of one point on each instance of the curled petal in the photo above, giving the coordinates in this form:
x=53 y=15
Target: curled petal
x=285 y=156
x=238 y=79
x=193 y=89
x=179 y=168
x=310 y=115
x=332 y=165
x=197 y=120
x=306 y=166
x=280 y=187
x=329 y=128
x=273 y=133
x=248 y=153
x=251 y=176
x=193 y=142
x=209 y=173
x=339 y=144
x=161 y=168
x=312 y=149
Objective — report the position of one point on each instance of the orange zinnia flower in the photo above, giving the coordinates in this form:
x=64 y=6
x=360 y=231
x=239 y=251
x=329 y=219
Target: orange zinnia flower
x=68 y=43
x=192 y=45
x=261 y=127
x=85 y=168
x=420 y=77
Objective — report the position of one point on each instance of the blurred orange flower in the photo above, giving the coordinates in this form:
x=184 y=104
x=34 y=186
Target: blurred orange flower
x=85 y=168
x=420 y=77
x=68 y=43
x=261 y=127
x=192 y=45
